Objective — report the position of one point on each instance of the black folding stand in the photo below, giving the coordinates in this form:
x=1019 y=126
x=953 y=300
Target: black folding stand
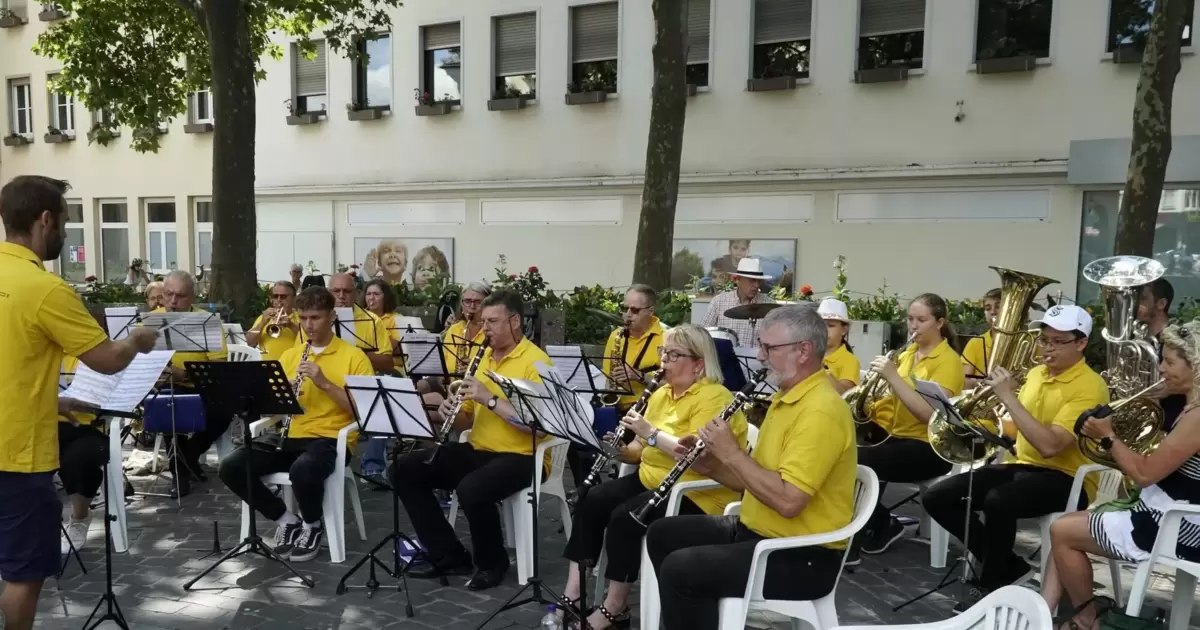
x=109 y=598
x=250 y=390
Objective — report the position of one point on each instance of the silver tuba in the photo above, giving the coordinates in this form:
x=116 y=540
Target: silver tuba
x=1132 y=363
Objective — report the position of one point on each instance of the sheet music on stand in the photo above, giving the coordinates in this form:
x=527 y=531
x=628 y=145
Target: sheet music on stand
x=193 y=331
x=406 y=325
x=748 y=360
x=581 y=374
x=388 y=406
x=933 y=393
x=551 y=406
x=345 y=326
x=122 y=391
x=423 y=355
x=118 y=319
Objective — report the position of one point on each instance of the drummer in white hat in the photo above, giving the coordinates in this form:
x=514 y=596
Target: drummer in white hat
x=840 y=361
x=749 y=277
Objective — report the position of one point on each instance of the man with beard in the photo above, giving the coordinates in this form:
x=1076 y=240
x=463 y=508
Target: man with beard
x=41 y=317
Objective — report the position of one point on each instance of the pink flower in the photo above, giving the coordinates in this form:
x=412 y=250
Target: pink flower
x=354 y=266
x=90 y=279
x=512 y=277
x=533 y=270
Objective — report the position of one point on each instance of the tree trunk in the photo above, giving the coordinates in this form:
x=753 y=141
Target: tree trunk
x=664 y=146
x=234 y=246
x=1151 y=131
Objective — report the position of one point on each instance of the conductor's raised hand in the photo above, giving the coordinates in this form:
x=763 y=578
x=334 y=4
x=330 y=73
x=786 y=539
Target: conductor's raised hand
x=635 y=422
x=143 y=339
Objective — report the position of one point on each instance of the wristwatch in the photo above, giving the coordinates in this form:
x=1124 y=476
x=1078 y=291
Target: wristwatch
x=1106 y=443
x=653 y=439
x=491 y=403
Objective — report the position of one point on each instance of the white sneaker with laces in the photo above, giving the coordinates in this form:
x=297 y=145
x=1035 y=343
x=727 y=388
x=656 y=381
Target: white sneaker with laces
x=77 y=532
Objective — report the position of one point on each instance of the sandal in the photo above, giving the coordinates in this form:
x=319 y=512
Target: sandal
x=620 y=621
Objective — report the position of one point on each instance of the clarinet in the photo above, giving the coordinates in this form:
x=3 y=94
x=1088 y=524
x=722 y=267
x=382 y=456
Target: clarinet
x=640 y=515
x=443 y=435
x=287 y=420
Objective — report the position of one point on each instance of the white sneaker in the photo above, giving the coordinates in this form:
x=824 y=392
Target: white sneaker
x=77 y=531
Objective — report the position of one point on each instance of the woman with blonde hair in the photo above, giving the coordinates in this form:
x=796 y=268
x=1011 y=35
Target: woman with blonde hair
x=1171 y=474
x=154 y=295
x=691 y=395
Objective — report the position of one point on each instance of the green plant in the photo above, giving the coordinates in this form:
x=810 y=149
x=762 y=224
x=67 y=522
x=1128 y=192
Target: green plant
x=966 y=312
x=584 y=324
x=839 y=283
x=431 y=295
x=530 y=285
x=881 y=307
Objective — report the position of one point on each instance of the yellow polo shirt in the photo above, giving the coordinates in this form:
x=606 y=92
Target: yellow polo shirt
x=180 y=359
x=323 y=418
x=646 y=345
x=1059 y=400
x=842 y=365
x=490 y=432
x=41 y=317
x=369 y=332
x=272 y=349
x=452 y=340
x=976 y=353
x=808 y=438
x=69 y=365
x=682 y=416
x=942 y=366
x=387 y=323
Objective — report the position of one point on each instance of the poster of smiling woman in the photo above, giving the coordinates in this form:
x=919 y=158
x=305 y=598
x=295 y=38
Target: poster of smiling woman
x=415 y=261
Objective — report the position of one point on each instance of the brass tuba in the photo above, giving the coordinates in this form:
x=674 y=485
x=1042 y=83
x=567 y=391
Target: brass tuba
x=1013 y=346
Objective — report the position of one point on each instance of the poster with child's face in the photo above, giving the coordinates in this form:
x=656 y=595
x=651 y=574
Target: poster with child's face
x=416 y=261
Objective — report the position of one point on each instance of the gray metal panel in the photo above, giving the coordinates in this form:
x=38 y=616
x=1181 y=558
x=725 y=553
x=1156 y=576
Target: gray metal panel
x=884 y=17
x=1105 y=161
x=516 y=44
x=778 y=21
x=310 y=73
x=698 y=21
x=442 y=36
x=594 y=32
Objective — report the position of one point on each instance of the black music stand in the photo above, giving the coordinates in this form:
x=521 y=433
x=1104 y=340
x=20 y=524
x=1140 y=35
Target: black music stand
x=344 y=329
x=247 y=389
x=109 y=598
x=580 y=376
x=386 y=406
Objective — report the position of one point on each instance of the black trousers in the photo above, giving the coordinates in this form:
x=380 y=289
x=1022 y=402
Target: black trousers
x=602 y=520
x=308 y=461
x=82 y=453
x=481 y=479
x=1002 y=494
x=700 y=559
x=192 y=447
x=899 y=460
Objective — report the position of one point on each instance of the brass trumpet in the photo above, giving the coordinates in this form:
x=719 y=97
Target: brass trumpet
x=274 y=329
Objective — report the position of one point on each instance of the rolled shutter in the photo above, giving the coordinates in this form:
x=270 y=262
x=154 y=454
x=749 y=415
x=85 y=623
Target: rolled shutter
x=442 y=36
x=594 y=32
x=310 y=73
x=16 y=6
x=778 y=21
x=698 y=20
x=516 y=44
x=885 y=17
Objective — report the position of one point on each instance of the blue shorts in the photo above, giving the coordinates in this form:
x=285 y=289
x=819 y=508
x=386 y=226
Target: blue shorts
x=30 y=522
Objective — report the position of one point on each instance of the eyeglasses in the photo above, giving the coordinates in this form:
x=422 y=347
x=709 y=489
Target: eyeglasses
x=472 y=302
x=634 y=310
x=1046 y=342
x=768 y=347
x=280 y=296
x=671 y=356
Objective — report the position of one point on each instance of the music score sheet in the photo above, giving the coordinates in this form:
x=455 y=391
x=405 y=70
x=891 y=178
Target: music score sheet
x=122 y=391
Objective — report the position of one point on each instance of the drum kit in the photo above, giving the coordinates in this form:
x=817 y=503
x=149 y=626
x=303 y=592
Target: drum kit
x=751 y=312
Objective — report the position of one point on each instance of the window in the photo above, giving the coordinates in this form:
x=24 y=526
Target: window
x=782 y=38
x=891 y=34
x=309 y=74
x=698 y=25
x=594 y=43
x=20 y=115
x=1013 y=28
x=62 y=111
x=373 y=72
x=203 y=220
x=516 y=56
x=161 y=244
x=1129 y=23
x=72 y=262
x=114 y=240
x=441 y=64
x=200 y=107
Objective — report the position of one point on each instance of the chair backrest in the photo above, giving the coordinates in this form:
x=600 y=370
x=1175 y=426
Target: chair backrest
x=866 y=495
x=751 y=436
x=234 y=334
x=1111 y=484
x=243 y=353
x=1008 y=608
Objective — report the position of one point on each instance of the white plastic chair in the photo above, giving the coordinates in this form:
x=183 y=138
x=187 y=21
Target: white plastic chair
x=1108 y=489
x=234 y=335
x=1008 y=608
x=1163 y=554
x=939 y=538
x=238 y=352
x=334 y=505
x=114 y=487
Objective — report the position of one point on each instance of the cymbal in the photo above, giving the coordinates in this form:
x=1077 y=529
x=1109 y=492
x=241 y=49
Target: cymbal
x=612 y=318
x=751 y=311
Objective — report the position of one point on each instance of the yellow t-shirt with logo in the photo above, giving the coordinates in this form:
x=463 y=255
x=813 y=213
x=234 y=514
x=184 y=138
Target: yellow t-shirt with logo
x=682 y=416
x=976 y=354
x=453 y=341
x=942 y=366
x=273 y=348
x=1058 y=400
x=490 y=432
x=41 y=318
x=808 y=438
x=322 y=417
x=69 y=365
x=180 y=359
x=842 y=364
x=645 y=345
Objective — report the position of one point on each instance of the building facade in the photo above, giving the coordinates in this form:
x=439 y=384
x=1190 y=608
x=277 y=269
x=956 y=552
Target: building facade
x=924 y=140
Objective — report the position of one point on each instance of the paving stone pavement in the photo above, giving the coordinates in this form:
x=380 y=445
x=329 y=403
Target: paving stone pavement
x=168 y=544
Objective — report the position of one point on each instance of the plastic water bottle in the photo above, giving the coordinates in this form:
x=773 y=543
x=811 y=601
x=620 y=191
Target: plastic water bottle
x=550 y=621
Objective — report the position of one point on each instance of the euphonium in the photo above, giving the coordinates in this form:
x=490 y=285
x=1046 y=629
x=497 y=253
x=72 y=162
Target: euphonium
x=620 y=352
x=1013 y=348
x=873 y=389
x=1137 y=421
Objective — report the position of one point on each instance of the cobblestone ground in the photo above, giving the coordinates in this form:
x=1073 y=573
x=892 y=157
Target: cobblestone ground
x=168 y=543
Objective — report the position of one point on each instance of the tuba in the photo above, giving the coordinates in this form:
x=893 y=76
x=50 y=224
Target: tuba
x=1013 y=346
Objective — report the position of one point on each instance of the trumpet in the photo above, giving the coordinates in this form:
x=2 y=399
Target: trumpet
x=286 y=425
x=455 y=388
x=274 y=329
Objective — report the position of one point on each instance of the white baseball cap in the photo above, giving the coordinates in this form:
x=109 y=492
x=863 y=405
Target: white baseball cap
x=832 y=308
x=1067 y=318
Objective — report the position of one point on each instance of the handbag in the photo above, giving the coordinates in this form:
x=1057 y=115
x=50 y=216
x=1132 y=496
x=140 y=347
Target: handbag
x=1111 y=617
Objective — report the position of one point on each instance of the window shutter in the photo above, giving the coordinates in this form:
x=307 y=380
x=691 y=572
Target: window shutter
x=516 y=44
x=778 y=21
x=16 y=6
x=698 y=21
x=594 y=32
x=886 y=17
x=310 y=73
x=442 y=36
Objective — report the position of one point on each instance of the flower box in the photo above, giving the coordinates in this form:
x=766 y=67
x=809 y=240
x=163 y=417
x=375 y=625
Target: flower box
x=310 y=118
x=367 y=113
x=1128 y=53
x=773 y=84
x=436 y=109
x=51 y=14
x=881 y=75
x=507 y=104
x=692 y=89
x=1023 y=63
x=205 y=127
x=16 y=141
x=586 y=98
x=57 y=138
x=11 y=21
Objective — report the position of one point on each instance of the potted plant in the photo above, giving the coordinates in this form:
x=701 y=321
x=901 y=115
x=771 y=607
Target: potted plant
x=15 y=139
x=430 y=106
x=306 y=118
x=771 y=84
x=587 y=92
x=10 y=19
x=100 y=134
x=54 y=135
x=510 y=98
x=890 y=71
x=356 y=110
x=51 y=12
x=198 y=127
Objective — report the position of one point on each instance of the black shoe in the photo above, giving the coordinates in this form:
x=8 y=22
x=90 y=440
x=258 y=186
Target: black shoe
x=1018 y=571
x=854 y=555
x=286 y=537
x=308 y=545
x=487 y=578
x=878 y=541
x=433 y=572
x=181 y=486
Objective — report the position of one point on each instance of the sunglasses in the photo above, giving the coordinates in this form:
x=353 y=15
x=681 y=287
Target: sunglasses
x=634 y=310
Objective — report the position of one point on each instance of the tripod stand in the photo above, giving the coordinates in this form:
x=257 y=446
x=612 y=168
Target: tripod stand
x=108 y=600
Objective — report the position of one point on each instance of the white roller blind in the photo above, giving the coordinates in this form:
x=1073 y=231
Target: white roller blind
x=310 y=73
x=442 y=36
x=698 y=30
x=884 y=17
x=594 y=32
x=516 y=44
x=782 y=20
x=16 y=6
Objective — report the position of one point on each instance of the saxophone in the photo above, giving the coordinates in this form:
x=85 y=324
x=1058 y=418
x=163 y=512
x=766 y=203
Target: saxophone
x=287 y=420
x=621 y=350
x=447 y=427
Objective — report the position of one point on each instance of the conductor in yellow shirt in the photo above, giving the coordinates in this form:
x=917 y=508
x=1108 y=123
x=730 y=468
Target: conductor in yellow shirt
x=281 y=313
x=840 y=361
x=799 y=480
x=41 y=318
